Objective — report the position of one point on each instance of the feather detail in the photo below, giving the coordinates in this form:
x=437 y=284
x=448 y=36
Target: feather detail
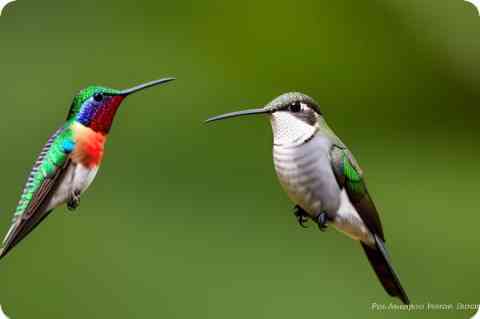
x=50 y=158
x=89 y=146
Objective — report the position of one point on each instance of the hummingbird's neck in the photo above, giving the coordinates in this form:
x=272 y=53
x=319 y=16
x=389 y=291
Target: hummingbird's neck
x=100 y=119
x=89 y=145
x=289 y=130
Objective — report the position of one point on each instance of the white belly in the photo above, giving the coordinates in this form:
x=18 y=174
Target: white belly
x=77 y=179
x=306 y=175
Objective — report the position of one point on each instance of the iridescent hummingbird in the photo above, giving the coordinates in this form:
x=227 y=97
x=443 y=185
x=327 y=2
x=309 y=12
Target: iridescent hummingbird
x=69 y=160
x=323 y=179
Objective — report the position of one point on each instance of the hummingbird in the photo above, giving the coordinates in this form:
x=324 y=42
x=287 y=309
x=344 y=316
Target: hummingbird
x=70 y=159
x=323 y=180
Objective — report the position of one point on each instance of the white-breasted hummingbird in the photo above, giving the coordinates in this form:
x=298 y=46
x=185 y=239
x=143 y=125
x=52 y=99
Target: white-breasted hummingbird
x=323 y=179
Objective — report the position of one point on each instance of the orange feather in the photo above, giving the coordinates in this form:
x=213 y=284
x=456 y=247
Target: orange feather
x=89 y=146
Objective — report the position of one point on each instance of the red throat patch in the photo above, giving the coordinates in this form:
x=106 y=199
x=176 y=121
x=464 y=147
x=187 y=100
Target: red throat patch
x=103 y=118
x=89 y=146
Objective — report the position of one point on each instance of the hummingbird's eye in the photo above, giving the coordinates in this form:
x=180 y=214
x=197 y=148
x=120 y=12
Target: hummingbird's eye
x=295 y=107
x=98 y=97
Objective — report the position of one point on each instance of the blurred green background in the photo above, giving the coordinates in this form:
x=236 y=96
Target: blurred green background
x=188 y=221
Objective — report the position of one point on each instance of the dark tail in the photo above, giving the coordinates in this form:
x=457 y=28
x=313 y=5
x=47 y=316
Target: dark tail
x=22 y=230
x=380 y=262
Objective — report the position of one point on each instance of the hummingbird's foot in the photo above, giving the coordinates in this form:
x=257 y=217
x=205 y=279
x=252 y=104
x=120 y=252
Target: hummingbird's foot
x=301 y=216
x=322 y=220
x=74 y=201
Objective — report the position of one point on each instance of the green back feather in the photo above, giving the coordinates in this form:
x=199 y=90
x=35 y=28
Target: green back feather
x=51 y=158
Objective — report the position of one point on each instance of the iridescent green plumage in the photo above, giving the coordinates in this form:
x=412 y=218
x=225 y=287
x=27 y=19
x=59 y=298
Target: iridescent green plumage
x=44 y=176
x=56 y=150
x=70 y=159
x=350 y=176
x=51 y=158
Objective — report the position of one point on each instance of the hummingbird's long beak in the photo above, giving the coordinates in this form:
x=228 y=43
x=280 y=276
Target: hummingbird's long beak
x=144 y=86
x=239 y=113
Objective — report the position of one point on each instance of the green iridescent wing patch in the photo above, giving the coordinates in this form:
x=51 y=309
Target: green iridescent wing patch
x=350 y=177
x=353 y=177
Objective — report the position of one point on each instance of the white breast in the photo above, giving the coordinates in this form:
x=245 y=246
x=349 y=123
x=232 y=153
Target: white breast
x=306 y=174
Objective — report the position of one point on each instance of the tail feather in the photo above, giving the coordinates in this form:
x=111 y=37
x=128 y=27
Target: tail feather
x=382 y=266
x=18 y=232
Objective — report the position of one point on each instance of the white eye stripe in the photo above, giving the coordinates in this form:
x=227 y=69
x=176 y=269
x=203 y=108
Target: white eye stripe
x=304 y=107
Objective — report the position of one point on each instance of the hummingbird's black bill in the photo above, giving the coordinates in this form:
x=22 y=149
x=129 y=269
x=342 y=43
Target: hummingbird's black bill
x=239 y=113
x=145 y=86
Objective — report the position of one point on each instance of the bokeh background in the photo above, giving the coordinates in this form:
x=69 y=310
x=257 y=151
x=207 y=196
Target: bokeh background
x=187 y=220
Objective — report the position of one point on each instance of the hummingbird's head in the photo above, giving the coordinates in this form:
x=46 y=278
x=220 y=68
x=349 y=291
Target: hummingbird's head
x=294 y=117
x=95 y=106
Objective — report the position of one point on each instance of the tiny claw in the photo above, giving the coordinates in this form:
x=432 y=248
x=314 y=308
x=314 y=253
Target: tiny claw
x=300 y=214
x=322 y=220
x=74 y=201
x=301 y=221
